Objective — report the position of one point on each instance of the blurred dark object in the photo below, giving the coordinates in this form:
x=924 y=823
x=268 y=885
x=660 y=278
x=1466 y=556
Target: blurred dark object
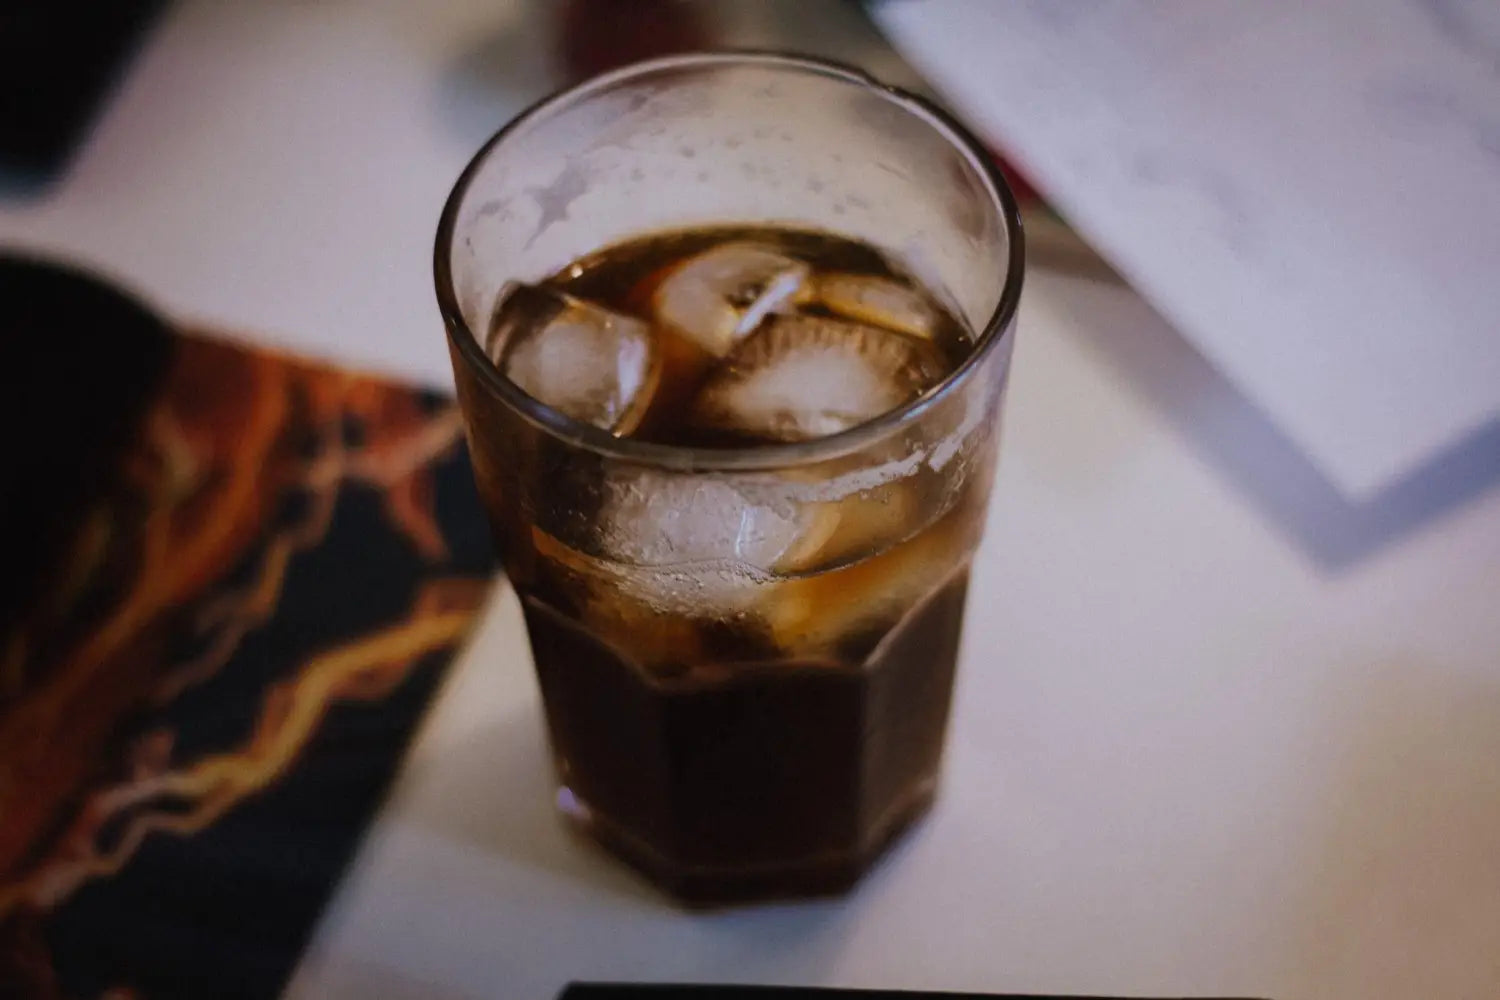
x=81 y=363
x=598 y=35
x=58 y=59
x=635 y=991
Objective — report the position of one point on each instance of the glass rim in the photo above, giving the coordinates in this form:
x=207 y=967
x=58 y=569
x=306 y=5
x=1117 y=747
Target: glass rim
x=755 y=457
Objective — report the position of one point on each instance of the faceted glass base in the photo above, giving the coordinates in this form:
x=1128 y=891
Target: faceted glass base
x=702 y=886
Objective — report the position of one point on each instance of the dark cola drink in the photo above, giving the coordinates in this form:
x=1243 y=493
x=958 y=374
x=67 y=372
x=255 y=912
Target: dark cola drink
x=746 y=665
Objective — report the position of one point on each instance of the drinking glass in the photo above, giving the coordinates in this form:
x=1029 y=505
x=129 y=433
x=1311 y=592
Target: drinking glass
x=733 y=724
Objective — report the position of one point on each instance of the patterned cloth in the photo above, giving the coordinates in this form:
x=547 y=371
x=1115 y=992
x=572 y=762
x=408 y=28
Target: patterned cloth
x=221 y=661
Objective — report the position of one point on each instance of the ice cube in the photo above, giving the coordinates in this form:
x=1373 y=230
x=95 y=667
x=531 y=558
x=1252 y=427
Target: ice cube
x=853 y=528
x=803 y=377
x=878 y=301
x=720 y=296
x=595 y=365
x=674 y=520
x=813 y=614
x=694 y=545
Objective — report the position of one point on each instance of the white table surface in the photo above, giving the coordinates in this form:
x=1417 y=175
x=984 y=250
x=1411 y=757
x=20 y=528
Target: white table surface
x=1191 y=752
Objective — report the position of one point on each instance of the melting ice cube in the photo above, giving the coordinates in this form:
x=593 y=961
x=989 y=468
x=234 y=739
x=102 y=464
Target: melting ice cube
x=720 y=296
x=878 y=301
x=854 y=527
x=662 y=519
x=803 y=377
x=594 y=365
x=815 y=613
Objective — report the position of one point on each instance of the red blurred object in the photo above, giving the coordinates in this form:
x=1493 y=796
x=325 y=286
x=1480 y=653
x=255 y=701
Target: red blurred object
x=599 y=35
x=1025 y=193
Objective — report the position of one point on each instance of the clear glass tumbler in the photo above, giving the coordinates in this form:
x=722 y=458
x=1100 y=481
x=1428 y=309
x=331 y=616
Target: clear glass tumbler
x=734 y=725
